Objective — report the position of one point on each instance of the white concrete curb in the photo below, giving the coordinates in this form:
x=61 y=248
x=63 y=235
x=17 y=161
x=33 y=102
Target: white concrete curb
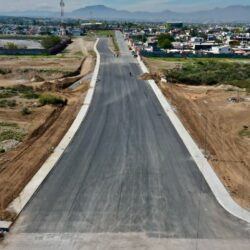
x=218 y=189
x=19 y=203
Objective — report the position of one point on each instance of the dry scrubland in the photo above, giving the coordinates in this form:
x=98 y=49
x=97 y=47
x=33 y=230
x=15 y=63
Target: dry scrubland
x=36 y=109
x=218 y=122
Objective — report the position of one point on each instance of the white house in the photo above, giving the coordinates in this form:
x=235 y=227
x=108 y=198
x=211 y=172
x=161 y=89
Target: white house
x=221 y=50
x=197 y=39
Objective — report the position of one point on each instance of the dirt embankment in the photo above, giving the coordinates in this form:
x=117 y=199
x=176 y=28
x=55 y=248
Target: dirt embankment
x=44 y=126
x=216 y=122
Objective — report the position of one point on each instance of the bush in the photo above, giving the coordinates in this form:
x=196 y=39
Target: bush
x=26 y=91
x=212 y=72
x=6 y=93
x=244 y=133
x=5 y=71
x=11 y=135
x=10 y=45
x=26 y=111
x=7 y=103
x=50 y=41
x=31 y=95
x=46 y=99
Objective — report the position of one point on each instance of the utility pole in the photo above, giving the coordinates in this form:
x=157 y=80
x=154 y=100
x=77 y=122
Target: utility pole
x=62 y=5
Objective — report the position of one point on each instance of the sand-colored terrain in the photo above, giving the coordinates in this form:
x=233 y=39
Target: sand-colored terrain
x=43 y=128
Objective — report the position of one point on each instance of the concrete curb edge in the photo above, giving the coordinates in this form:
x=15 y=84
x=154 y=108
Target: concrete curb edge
x=20 y=202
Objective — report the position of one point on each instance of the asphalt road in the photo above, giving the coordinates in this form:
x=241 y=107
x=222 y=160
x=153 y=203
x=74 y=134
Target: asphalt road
x=127 y=170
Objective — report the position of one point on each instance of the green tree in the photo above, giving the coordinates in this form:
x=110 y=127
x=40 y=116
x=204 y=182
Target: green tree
x=165 y=41
x=50 y=41
x=234 y=43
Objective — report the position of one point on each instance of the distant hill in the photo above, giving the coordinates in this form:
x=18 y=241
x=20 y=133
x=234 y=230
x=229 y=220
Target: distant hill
x=228 y=14
x=235 y=13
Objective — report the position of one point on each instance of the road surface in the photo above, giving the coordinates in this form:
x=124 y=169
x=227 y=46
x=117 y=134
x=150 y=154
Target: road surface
x=126 y=179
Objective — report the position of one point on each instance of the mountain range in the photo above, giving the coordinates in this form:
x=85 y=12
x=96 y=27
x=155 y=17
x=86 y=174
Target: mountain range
x=236 y=13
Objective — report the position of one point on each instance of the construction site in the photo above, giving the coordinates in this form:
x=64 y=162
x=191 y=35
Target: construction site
x=39 y=98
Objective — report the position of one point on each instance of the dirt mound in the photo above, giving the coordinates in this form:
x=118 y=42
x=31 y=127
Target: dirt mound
x=8 y=144
x=147 y=76
x=36 y=78
x=230 y=88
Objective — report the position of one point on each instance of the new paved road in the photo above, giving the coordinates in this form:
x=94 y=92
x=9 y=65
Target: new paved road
x=127 y=172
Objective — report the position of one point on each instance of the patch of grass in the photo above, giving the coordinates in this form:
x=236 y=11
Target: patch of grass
x=11 y=135
x=105 y=33
x=47 y=99
x=25 y=91
x=9 y=124
x=50 y=41
x=7 y=103
x=244 y=133
x=78 y=54
x=116 y=46
x=211 y=72
x=31 y=95
x=6 y=93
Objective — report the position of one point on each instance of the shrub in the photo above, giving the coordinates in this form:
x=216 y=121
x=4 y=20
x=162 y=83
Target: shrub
x=26 y=111
x=11 y=135
x=11 y=103
x=10 y=45
x=212 y=72
x=6 y=93
x=5 y=71
x=51 y=99
x=7 y=103
x=244 y=133
x=31 y=95
x=50 y=41
x=26 y=91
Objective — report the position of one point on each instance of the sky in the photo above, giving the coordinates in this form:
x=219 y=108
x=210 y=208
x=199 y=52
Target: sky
x=144 y=5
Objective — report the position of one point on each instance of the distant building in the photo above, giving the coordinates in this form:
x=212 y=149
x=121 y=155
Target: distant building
x=197 y=39
x=204 y=46
x=91 y=25
x=77 y=32
x=221 y=50
x=211 y=37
